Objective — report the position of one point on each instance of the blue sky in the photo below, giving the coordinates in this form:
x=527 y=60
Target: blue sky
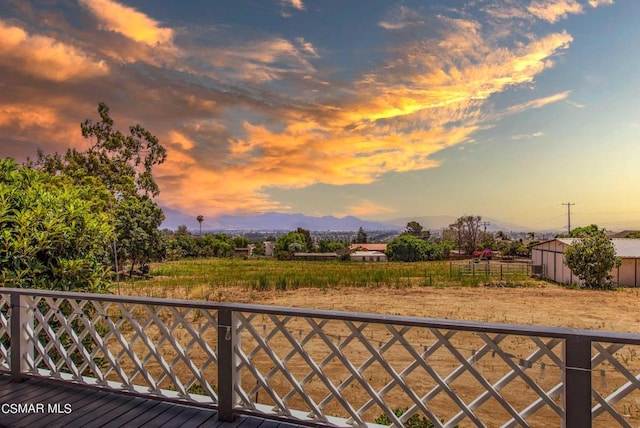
x=379 y=109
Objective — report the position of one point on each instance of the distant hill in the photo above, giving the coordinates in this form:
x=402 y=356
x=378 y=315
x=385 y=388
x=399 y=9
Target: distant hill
x=286 y=221
x=440 y=221
x=271 y=221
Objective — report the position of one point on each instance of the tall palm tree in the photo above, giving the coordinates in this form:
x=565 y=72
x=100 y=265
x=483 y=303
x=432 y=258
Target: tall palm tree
x=200 y=219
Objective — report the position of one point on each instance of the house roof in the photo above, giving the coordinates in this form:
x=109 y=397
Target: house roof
x=624 y=233
x=628 y=248
x=369 y=247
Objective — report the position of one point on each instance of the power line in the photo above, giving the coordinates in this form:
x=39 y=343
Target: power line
x=568 y=204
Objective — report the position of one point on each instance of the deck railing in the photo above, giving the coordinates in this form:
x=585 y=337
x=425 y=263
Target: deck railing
x=324 y=367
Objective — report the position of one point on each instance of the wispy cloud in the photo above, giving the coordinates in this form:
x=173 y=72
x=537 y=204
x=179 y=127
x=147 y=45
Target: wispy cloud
x=45 y=57
x=241 y=111
x=575 y=104
x=428 y=95
x=596 y=3
x=527 y=136
x=307 y=46
x=128 y=22
x=296 y=4
x=538 y=103
x=287 y=5
x=253 y=59
x=554 y=10
x=400 y=18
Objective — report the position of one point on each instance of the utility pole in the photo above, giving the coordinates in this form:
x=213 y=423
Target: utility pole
x=485 y=224
x=568 y=204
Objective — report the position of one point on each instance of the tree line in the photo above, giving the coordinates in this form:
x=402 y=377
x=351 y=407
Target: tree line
x=70 y=221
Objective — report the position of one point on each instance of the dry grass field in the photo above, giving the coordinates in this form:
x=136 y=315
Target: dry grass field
x=538 y=303
x=525 y=301
x=543 y=304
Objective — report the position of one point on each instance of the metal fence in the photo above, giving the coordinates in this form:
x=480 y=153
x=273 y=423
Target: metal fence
x=489 y=270
x=324 y=367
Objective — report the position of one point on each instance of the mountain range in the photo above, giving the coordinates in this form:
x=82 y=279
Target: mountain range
x=286 y=221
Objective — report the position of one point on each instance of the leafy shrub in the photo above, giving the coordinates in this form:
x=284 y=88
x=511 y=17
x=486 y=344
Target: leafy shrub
x=592 y=258
x=54 y=234
x=408 y=248
x=415 y=421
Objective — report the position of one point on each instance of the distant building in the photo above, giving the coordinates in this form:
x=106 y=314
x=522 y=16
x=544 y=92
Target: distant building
x=242 y=252
x=548 y=261
x=368 y=256
x=315 y=256
x=269 y=248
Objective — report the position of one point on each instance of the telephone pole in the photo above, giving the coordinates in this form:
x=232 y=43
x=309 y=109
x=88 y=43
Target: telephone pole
x=568 y=204
x=485 y=224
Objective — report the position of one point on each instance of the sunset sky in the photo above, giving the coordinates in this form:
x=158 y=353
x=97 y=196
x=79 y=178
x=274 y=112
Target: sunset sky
x=372 y=108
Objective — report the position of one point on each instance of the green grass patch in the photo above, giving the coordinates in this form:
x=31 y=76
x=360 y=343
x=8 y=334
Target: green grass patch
x=269 y=274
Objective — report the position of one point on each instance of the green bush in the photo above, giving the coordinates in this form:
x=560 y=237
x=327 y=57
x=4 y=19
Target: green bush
x=415 y=421
x=408 y=248
x=54 y=234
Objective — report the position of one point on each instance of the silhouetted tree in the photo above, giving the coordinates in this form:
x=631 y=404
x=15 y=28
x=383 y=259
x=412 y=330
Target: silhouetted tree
x=361 y=237
x=200 y=220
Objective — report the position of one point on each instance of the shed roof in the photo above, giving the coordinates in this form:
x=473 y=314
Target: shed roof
x=327 y=255
x=368 y=253
x=628 y=248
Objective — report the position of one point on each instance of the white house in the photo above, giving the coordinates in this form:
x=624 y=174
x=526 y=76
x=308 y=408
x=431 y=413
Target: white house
x=548 y=261
x=368 y=256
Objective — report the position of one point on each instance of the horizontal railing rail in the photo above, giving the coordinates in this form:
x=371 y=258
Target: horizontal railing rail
x=323 y=367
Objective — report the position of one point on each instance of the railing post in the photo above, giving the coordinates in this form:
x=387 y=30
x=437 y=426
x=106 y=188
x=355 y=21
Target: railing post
x=226 y=365
x=21 y=348
x=577 y=382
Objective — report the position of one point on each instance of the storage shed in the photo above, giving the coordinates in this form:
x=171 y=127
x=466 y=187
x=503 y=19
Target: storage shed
x=548 y=261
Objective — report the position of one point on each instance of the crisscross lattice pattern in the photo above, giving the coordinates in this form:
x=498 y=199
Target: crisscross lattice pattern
x=5 y=334
x=160 y=350
x=360 y=371
x=327 y=367
x=615 y=384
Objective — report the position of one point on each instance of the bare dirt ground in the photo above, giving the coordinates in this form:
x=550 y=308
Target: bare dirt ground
x=545 y=304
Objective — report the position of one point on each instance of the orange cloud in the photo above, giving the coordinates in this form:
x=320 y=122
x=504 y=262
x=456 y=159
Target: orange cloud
x=180 y=140
x=231 y=138
x=427 y=97
x=286 y=4
x=45 y=57
x=461 y=68
x=554 y=10
x=26 y=115
x=296 y=4
x=365 y=208
x=128 y=22
x=27 y=123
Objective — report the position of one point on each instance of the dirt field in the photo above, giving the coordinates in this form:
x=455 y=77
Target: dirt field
x=541 y=304
x=544 y=304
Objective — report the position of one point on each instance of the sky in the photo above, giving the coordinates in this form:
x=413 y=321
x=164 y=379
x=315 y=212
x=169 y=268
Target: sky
x=374 y=108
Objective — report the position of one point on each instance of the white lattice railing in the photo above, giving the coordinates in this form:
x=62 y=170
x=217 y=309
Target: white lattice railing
x=324 y=367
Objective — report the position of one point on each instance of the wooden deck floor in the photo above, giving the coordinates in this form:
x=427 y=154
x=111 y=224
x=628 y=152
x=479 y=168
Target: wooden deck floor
x=93 y=408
